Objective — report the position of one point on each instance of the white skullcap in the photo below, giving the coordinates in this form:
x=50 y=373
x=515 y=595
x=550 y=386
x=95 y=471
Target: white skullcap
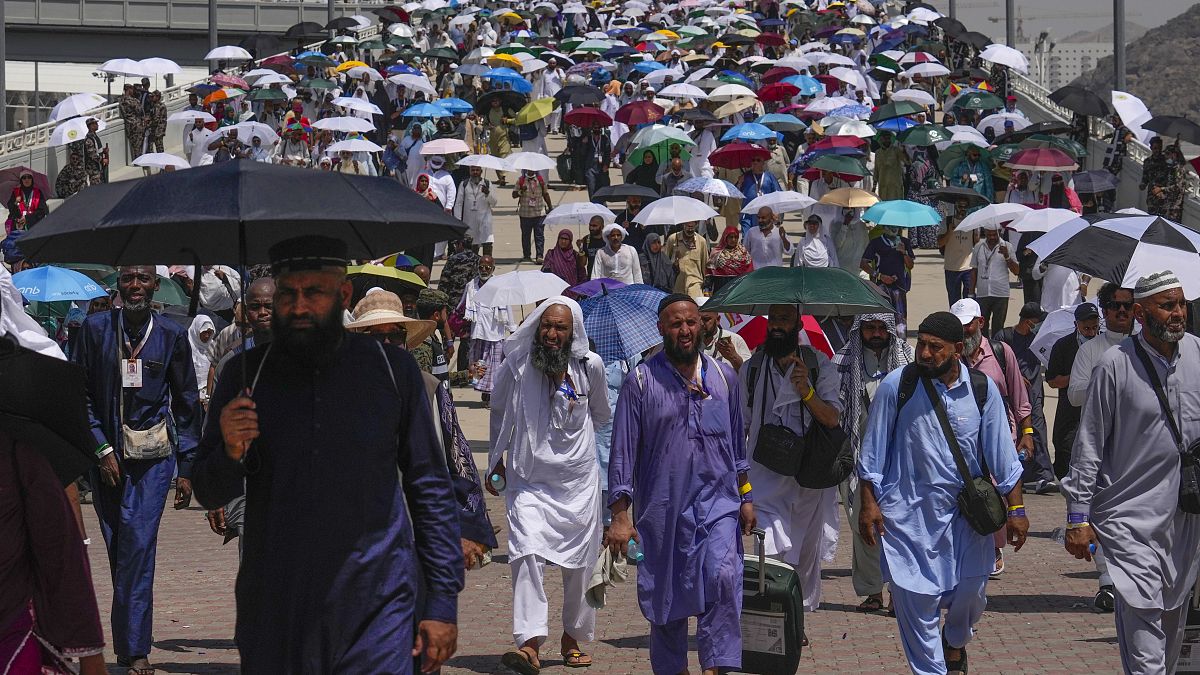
x=1156 y=283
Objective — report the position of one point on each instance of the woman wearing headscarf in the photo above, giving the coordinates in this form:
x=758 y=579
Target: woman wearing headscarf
x=26 y=204
x=921 y=175
x=644 y=174
x=562 y=261
x=200 y=337
x=730 y=259
x=1061 y=196
x=425 y=187
x=657 y=270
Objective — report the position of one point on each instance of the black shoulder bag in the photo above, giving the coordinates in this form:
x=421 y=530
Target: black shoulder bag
x=1189 y=457
x=979 y=501
x=778 y=448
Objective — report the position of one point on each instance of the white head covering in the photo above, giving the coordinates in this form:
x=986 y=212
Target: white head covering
x=609 y=228
x=14 y=321
x=520 y=343
x=201 y=351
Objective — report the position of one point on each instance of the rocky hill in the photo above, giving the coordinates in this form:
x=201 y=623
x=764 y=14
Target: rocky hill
x=1160 y=67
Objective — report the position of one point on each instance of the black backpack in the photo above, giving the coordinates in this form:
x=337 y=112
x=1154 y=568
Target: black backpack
x=909 y=379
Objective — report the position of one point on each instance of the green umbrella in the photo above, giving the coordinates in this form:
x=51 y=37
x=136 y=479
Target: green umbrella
x=693 y=31
x=1003 y=153
x=924 y=135
x=895 y=109
x=954 y=154
x=661 y=133
x=697 y=42
x=881 y=61
x=316 y=83
x=979 y=100
x=819 y=291
x=442 y=53
x=373 y=43
x=267 y=95
x=661 y=150
x=840 y=164
x=1072 y=148
x=570 y=44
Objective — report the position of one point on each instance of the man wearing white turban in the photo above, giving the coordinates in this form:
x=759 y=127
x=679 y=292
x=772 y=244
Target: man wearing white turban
x=617 y=260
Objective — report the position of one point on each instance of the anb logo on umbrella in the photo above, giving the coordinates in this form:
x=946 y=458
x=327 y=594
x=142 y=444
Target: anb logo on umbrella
x=29 y=290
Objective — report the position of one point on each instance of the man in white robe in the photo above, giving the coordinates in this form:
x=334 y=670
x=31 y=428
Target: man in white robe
x=776 y=385
x=473 y=205
x=617 y=260
x=543 y=443
x=1123 y=488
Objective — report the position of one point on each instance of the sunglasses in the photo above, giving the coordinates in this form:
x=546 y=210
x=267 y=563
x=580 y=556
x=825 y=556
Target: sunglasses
x=397 y=337
x=1114 y=305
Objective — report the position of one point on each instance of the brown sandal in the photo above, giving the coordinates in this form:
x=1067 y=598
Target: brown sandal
x=519 y=662
x=572 y=658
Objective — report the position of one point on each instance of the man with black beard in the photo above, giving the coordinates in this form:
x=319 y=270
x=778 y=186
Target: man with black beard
x=793 y=386
x=327 y=583
x=909 y=484
x=1140 y=418
x=553 y=393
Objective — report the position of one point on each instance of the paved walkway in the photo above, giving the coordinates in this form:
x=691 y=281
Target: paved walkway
x=1039 y=617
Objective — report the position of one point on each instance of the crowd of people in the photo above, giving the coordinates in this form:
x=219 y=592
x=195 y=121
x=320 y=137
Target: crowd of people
x=668 y=457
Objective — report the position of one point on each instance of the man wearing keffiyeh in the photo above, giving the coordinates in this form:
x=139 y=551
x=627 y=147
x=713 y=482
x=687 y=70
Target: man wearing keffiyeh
x=873 y=350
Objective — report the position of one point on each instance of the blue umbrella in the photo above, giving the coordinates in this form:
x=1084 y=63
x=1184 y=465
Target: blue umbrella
x=454 y=105
x=738 y=76
x=750 y=131
x=808 y=86
x=888 y=44
x=426 y=110
x=855 y=111
x=623 y=322
x=309 y=54
x=56 y=284
x=781 y=121
x=619 y=50
x=593 y=286
x=902 y=213
x=402 y=69
x=649 y=66
x=896 y=124
x=844 y=38
x=510 y=77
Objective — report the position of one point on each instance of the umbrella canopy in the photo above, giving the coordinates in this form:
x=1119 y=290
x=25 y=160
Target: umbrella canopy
x=784 y=201
x=978 y=100
x=749 y=131
x=1042 y=159
x=846 y=166
x=346 y=124
x=484 y=162
x=674 y=210
x=639 y=112
x=1042 y=220
x=738 y=155
x=708 y=186
x=622 y=323
x=75 y=105
x=535 y=110
x=444 y=146
x=925 y=135
x=510 y=100
x=992 y=216
x=56 y=284
x=159 y=160
x=902 y=213
x=821 y=291
x=915 y=96
x=228 y=53
x=172 y=218
x=519 y=288
x=1092 y=182
x=849 y=197
x=952 y=194
x=624 y=191
x=353 y=145
x=1005 y=56
x=1125 y=249
x=529 y=161
x=1180 y=128
x=587 y=118
x=593 y=286
x=1080 y=100
x=578 y=213
x=9 y=178
x=73 y=130
x=365 y=277
x=895 y=109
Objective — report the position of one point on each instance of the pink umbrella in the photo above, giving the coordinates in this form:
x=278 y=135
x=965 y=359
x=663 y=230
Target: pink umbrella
x=1042 y=159
x=229 y=81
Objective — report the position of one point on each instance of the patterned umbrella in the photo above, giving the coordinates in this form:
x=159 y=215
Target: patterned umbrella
x=623 y=322
x=640 y=112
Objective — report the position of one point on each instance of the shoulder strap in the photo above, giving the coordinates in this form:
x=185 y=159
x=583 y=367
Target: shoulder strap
x=951 y=439
x=1158 y=391
x=908 y=385
x=979 y=382
x=998 y=352
x=752 y=379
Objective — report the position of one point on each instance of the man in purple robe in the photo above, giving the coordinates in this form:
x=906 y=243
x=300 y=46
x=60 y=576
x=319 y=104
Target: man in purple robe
x=679 y=456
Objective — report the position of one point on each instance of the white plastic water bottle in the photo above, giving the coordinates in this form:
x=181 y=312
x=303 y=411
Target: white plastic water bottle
x=498 y=482
x=634 y=554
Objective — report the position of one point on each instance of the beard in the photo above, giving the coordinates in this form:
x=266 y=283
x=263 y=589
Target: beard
x=141 y=306
x=678 y=354
x=971 y=342
x=313 y=344
x=1163 y=331
x=779 y=344
x=934 y=370
x=876 y=343
x=550 y=360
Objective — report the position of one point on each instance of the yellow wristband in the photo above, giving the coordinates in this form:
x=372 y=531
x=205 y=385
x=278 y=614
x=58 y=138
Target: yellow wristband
x=1027 y=430
x=812 y=391
x=1076 y=526
x=744 y=488
x=1014 y=508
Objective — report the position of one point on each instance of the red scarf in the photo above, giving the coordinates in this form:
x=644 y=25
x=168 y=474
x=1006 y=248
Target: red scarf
x=35 y=200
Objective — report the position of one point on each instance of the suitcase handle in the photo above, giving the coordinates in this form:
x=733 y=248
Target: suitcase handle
x=760 y=536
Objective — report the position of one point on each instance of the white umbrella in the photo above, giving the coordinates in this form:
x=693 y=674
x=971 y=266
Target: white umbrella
x=923 y=15
x=484 y=162
x=444 y=146
x=914 y=95
x=275 y=78
x=698 y=74
x=657 y=77
x=248 y=130
x=851 y=128
x=401 y=30
x=529 y=161
x=992 y=216
x=1005 y=56
x=73 y=130
x=228 y=53
x=784 y=201
x=831 y=59
x=479 y=54
x=710 y=186
x=190 y=116
x=532 y=66
x=673 y=211
x=74 y=105
x=344 y=124
x=996 y=122
x=157 y=65
x=1042 y=220
x=159 y=160
x=414 y=82
x=351 y=103
x=579 y=213
x=850 y=76
x=1058 y=324
x=970 y=137
x=683 y=90
x=519 y=288
x=257 y=73
x=829 y=104
x=1133 y=113
x=125 y=67
x=353 y=145
x=927 y=70
x=357 y=73
x=728 y=92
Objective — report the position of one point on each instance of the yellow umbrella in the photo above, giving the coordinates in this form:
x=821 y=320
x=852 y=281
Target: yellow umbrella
x=510 y=17
x=670 y=35
x=504 y=61
x=749 y=32
x=350 y=64
x=850 y=31
x=535 y=110
x=388 y=271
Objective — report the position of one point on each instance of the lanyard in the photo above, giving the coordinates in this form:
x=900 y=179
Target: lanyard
x=567 y=390
x=133 y=351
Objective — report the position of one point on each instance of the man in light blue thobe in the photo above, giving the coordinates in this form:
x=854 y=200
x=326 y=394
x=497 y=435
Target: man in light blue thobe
x=679 y=456
x=909 y=484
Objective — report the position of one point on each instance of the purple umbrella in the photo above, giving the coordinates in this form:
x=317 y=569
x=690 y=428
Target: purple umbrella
x=589 y=288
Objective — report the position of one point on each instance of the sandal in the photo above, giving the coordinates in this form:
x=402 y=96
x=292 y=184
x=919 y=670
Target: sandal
x=519 y=662
x=573 y=658
x=871 y=604
x=958 y=665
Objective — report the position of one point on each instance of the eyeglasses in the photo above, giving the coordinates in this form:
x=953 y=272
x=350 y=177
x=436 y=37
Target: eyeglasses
x=397 y=337
x=1114 y=305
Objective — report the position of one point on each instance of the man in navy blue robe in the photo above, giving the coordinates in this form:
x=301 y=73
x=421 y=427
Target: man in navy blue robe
x=336 y=447
x=140 y=376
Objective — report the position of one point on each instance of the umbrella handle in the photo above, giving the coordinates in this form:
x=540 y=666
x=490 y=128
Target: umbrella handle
x=194 y=302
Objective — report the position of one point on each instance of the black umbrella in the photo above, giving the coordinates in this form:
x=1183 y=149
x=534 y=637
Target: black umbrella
x=261 y=44
x=975 y=39
x=951 y=27
x=1080 y=100
x=1092 y=182
x=341 y=23
x=1171 y=126
x=391 y=14
x=443 y=53
x=232 y=213
x=579 y=94
x=43 y=403
x=735 y=40
x=304 y=29
x=622 y=192
x=509 y=99
x=698 y=115
x=1049 y=127
x=952 y=194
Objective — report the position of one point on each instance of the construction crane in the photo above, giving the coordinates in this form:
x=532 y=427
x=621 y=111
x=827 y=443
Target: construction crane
x=1048 y=15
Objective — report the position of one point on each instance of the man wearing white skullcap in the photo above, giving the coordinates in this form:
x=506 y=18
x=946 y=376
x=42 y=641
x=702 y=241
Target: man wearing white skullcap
x=617 y=260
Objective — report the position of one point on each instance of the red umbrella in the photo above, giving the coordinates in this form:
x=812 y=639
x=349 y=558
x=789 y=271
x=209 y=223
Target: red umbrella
x=640 y=112
x=778 y=91
x=738 y=155
x=794 y=109
x=587 y=118
x=753 y=329
x=229 y=81
x=838 y=142
x=778 y=73
x=1042 y=159
x=9 y=178
x=276 y=60
x=832 y=84
x=770 y=40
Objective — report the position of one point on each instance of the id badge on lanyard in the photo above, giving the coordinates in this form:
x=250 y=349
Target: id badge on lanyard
x=131 y=366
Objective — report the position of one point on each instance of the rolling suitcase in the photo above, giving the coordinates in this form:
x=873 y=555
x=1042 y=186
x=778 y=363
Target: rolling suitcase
x=772 y=614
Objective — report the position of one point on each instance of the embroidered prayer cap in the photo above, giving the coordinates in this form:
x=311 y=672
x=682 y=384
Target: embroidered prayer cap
x=1156 y=283
x=943 y=325
x=674 y=298
x=307 y=253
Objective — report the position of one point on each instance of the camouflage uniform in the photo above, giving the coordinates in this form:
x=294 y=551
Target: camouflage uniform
x=135 y=123
x=158 y=126
x=93 y=149
x=1156 y=173
x=460 y=269
x=71 y=179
